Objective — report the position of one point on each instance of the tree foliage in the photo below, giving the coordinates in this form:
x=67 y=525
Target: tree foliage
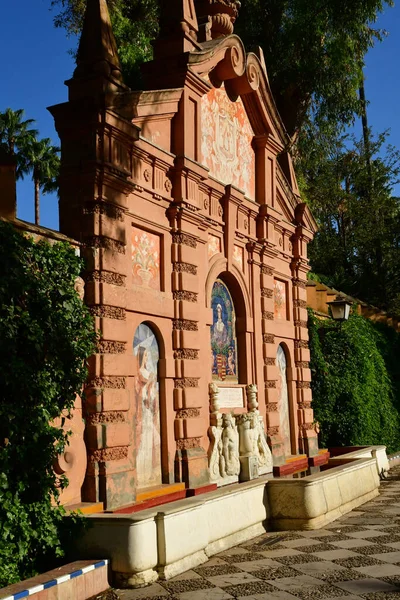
x=355 y=394
x=46 y=335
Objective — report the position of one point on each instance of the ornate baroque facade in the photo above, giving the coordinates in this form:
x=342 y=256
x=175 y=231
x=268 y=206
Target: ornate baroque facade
x=195 y=239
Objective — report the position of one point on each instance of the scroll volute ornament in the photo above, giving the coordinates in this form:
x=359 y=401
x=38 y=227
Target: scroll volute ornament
x=221 y=14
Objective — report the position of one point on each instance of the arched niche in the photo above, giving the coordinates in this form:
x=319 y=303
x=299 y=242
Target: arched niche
x=228 y=332
x=284 y=403
x=148 y=414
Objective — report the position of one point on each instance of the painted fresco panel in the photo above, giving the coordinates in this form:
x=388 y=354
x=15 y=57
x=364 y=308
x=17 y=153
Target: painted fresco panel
x=280 y=303
x=283 y=401
x=214 y=245
x=223 y=335
x=147 y=404
x=238 y=256
x=145 y=258
x=226 y=137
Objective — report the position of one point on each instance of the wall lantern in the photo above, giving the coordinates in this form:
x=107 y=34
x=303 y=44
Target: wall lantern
x=340 y=308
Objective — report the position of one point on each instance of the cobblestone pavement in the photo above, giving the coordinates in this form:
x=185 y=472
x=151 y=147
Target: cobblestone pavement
x=357 y=556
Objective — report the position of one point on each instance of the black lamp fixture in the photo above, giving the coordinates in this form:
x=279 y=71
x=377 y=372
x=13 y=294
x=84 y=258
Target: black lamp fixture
x=340 y=308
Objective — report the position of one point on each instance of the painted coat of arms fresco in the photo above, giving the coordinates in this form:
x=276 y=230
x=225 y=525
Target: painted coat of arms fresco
x=147 y=405
x=223 y=335
x=226 y=137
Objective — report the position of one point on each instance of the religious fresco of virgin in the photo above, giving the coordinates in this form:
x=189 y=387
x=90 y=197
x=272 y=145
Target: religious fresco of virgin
x=147 y=417
x=223 y=335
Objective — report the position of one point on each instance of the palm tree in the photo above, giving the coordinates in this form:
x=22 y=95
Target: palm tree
x=41 y=159
x=15 y=134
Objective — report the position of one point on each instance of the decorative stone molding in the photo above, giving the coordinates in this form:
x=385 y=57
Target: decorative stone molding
x=270 y=362
x=299 y=303
x=303 y=385
x=108 y=312
x=106 y=277
x=110 y=383
x=299 y=283
x=106 y=454
x=272 y=430
x=270 y=384
x=184 y=295
x=302 y=324
x=186 y=382
x=185 y=325
x=267 y=293
x=267 y=270
x=186 y=354
x=307 y=426
x=301 y=344
x=103 y=208
x=105 y=243
x=110 y=347
x=113 y=416
x=302 y=364
x=269 y=316
x=271 y=407
x=268 y=338
x=182 y=267
x=213 y=392
x=79 y=287
x=188 y=444
x=185 y=239
x=304 y=405
x=187 y=413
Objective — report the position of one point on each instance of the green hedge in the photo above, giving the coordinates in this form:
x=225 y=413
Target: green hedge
x=355 y=382
x=46 y=335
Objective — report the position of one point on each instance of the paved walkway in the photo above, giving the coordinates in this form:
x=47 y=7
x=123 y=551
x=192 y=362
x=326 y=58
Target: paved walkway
x=357 y=556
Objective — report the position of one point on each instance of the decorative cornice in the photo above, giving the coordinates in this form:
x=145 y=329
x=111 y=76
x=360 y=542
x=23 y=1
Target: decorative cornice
x=113 y=416
x=302 y=324
x=185 y=325
x=301 y=344
x=267 y=270
x=271 y=407
x=299 y=283
x=188 y=444
x=105 y=243
x=304 y=405
x=186 y=354
x=107 y=383
x=269 y=384
x=185 y=239
x=106 y=277
x=303 y=385
x=186 y=382
x=268 y=338
x=299 y=303
x=104 y=208
x=110 y=347
x=267 y=293
x=184 y=295
x=302 y=364
x=108 y=312
x=187 y=413
x=182 y=267
x=268 y=315
x=270 y=362
x=105 y=454
x=307 y=427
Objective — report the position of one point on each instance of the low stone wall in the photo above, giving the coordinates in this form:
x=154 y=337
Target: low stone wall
x=163 y=542
x=76 y=581
x=316 y=500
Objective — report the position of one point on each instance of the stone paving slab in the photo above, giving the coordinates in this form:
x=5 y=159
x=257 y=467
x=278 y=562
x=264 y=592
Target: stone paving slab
x=355 y=558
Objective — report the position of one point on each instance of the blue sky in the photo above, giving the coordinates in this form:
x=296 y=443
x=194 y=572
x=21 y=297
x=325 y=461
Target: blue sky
x=35 y=64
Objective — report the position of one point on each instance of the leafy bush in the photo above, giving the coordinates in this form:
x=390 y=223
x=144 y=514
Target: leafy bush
x=355 y=395
x=46 y=336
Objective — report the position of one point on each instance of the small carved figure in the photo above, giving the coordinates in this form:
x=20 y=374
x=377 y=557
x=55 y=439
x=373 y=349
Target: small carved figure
x=214 y=453
x=213 y=392
x=230 y=446
x=79 y=287
x=252 y=402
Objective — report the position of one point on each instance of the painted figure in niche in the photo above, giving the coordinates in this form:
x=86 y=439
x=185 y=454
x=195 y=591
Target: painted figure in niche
x=148 y=439
x=223 y=335
x=283 y=400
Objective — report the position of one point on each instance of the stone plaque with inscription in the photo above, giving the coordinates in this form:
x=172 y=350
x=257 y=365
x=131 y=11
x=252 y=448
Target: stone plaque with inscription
x=231 y=397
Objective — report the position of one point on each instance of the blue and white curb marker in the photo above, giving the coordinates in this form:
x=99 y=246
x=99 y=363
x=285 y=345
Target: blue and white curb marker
x=57 y=581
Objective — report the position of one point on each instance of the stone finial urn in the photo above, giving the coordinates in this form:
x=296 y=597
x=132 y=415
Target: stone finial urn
x=221 y=14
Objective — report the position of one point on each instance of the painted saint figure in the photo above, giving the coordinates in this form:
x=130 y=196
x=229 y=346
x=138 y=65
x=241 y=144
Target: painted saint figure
x=148 y=440
x=223 y=335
